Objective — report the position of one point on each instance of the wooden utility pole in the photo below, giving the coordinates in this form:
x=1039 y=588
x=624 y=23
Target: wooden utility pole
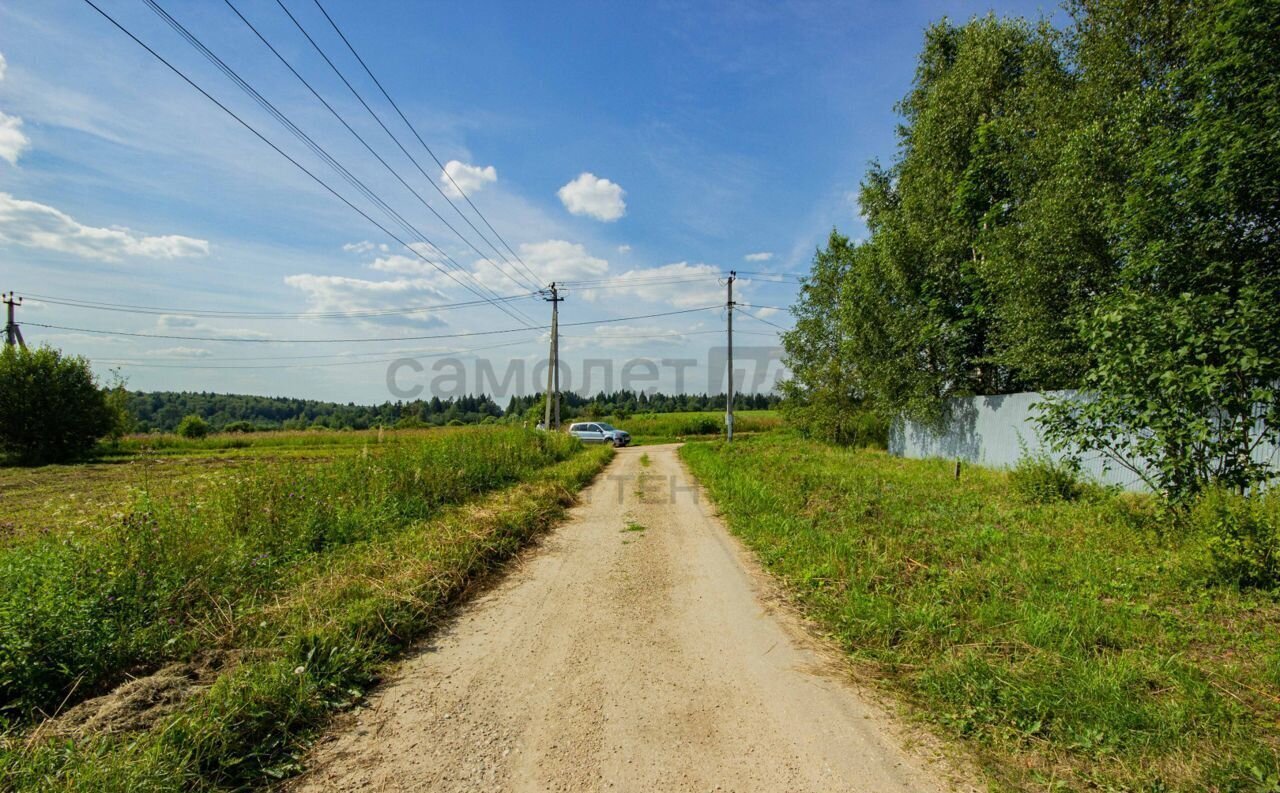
x=552 y=412
x=728 y=403
x=12 y=333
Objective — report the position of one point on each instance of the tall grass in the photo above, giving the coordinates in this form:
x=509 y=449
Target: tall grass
x=310 y=648
x=668 y=427
x=78 y=609
x=1075 y=645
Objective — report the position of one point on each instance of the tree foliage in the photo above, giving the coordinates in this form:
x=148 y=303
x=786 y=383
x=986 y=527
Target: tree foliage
x=1092 y=208
x=51 y=409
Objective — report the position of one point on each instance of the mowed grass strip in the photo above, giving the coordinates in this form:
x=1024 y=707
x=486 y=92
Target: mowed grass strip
x=1072 y=646
x=310 y=651
x=80 y=609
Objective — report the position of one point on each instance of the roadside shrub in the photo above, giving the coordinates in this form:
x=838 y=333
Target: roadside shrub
x=855 y=427
x=193 y=427
x=1242 y=537
x=51 y=408
x=1042 y=480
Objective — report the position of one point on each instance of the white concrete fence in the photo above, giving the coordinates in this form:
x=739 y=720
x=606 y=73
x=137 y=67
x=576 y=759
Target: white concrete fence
x=998 y=431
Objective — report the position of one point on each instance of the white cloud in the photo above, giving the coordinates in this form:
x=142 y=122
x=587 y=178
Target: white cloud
x=622 y=336
x=401 y=265
x=181 y=352
x=336 y=293
x=365 y=246
x=624 y=249
x=701 y=289
x=40 y=226
x=12 y=139
x=179 y=325
x=762 y=256
x=471 y=178
x=766 y=312
x=595 y=197
x=559 y=260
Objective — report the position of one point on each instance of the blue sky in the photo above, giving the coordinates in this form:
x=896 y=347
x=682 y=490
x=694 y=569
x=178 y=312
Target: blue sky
x=618 y=141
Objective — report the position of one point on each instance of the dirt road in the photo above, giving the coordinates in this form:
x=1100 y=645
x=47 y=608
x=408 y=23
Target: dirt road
x=635 y=649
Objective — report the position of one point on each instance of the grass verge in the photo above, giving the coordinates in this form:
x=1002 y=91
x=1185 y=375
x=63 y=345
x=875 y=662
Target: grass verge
x=1070 y=645
x=82 y=608
x=308 y=652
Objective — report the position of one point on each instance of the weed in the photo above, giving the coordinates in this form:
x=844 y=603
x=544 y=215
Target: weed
x=1042 y=480
x=633 y=526
x=1242 y=537
x=644 y=460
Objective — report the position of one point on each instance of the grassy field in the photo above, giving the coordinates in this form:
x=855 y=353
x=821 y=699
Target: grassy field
x=651 y=428
x=55 y=498
x=266 y=600
x=1071 y=646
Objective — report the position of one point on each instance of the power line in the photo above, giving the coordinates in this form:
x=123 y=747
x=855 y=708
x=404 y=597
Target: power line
x=256 y=340
x=390 y=134
x=414 y=130
x=359 y=137
x=218 y=314
x=756 y=305
x=762 y=319
x=316 y=148
x=780 y=275
x=361 y=362
x=273 y=146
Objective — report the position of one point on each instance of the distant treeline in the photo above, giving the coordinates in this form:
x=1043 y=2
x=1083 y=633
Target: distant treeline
x=163 y=410
x=622 y=403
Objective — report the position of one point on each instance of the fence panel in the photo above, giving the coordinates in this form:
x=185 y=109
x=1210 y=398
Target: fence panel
x=997 y=431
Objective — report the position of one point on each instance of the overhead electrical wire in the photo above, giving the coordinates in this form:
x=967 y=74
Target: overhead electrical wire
x=359 y=340
x=310 y=174
x=353 y=359
x=316 y=148
x=365 y=143
x=126 y=308
x=390 y=134
x=359 y=362
x=780 y=275
x=761 y=319
x=414 y=130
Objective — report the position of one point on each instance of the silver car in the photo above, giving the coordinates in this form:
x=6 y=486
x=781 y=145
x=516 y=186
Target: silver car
x=599 y=432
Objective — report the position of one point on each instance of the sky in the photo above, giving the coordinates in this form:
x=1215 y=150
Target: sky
x=634 y=153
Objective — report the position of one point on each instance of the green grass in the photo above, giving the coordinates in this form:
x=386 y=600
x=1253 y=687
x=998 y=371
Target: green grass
x=81 y=607
x=56 y=498
x=633 y=526
x=650 y=428
x=644 y=460
x=308 y=648
x=1070 y=645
